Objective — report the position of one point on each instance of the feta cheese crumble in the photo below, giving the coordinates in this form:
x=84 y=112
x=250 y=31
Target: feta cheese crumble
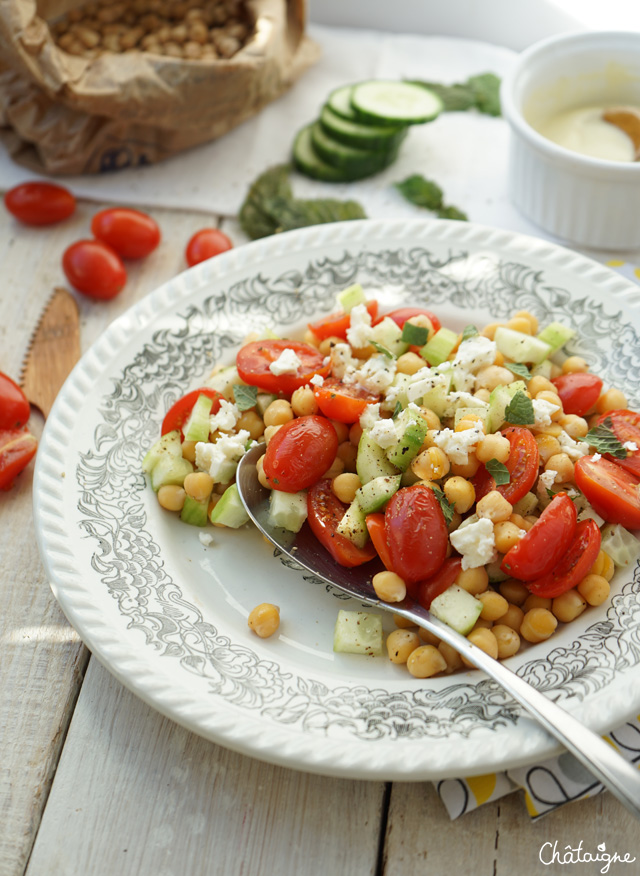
x=384 y=433
x=376 y=375
x=340 y=359
x=475 y=542
x=596 y=457
x=317 y=380
x=226 y=418
x=475 y=353
x=370 y=416
x=458 y=445
x=286 y=363
x=630 y=445
x=221 y=458
x=573 y=449
x=359 y=331
x=205 y=538
x=545 y=481
x=542 y=411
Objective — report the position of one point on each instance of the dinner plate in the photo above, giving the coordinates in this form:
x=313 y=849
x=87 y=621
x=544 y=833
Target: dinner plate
x=167 y=614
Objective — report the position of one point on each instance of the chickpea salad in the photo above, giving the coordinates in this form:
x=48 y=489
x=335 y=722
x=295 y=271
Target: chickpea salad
x=492 y=475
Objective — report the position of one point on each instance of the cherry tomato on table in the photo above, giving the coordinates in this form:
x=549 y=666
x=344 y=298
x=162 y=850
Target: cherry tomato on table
x=253 y=361
x=17 y=448
x=610 y=490
x=545 y=543
x=325 y=511
x=131 y=233
x=300 y=452
x=39 y=203
x=573 y=566
x=336 y=324
x=180 y=411
x=416 y=533
x=94 y=269
x=343 y=402
x=522 y=465
x=626 y=427
x=402 y=314
x=578 y=391
x=14 y=407
x=205 y=244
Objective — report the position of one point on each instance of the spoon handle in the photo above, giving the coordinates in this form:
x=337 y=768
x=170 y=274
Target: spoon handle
x=615 y=773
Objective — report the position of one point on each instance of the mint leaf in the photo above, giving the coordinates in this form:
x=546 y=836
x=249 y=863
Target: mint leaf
x=604 y=439
x=519 y=411
x=486 y=93
x=498 y=471
x=520 y=370
x=469 y=331
x=452 y=212
x=421 y=192
x=397 y=410
x=447 y=507
x=245 y=397
x=414 y=334
x=382 y=349
x=481 y=92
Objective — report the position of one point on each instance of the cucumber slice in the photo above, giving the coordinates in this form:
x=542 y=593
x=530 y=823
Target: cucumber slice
x=440 y=347
x=358 y=632
x=389 y=334
x=353 y=525
x=519 y=347
x=308 y=161
x=556 y=335
x=339 y=101
x=543 y=369
x=397 y=393
x=349 y=159
x=527 y=505
x=405 y=451
x=197 y=428
x=481 y=412
x=263 y=400
x=620 y=544
x=393 y=102
x=194 y=512
x=457 y=608
x=229 y=511
x=498 y=400
x=371 y=461
x=436 y=399
x=170 y=470
x=350 y=297
x=495 y=573
x=375 y=494
x=363 y=136
x=288 y=510
x=168 y=445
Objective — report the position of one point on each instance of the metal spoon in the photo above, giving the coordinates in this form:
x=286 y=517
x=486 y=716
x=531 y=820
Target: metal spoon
x=620 y=777
x=628 y=120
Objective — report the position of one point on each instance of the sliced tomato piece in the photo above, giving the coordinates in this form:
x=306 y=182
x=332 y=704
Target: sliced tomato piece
x=14 y=407
x=545 y=543
x=610 y=490
x=325 y=511
x=578 y=391
x=254 y=360
x=523 y=463
x=343 y=402
x=17 y=448
x=626 y=427
x=425 y=592
x=416 y=533
x=402 y=314
x=574 y=565
x=299 y=453
x=336 y=324
x=378 y=535
x=180 y=411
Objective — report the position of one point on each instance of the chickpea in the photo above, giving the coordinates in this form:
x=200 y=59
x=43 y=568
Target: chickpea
x=493 y=605
x=483 y=394
x=460 y=492
x=303 y=402
x=563 y=465
x=511 y=618
x=489 y=330
x=433 y=420
x=345 y=487
x=533 y=601
x=426 y=661
x=508 y=640
x=499 y=358
x=326 y=345
x=574 y=364
x=568 y=606
x=520 y=522
x=494 y=446
x=474 y=581
x=336 y=468
x=278 y=413
x=492 y=376
x=513 y=591
x=537 y=625
x=494 y=507
x=554 y=399
x=269 y=432
x=428 y=637
x=431 y=464
x=348 y=454
x=594 y=588
x=451 y=656
x=520 y=324
x=198 y=485
x=264 y=620
x=389 y=587
x=189 y=450
x=466 y=469
x=539 y=384
x=252 y=422
x=261 y=475
x=576 y=427
x=533 y=320
x=403 y=623
x=342 y=430
x=548 y=446
x=171 y=497
x=311 y=338
x=485 y=640
x=400 y=645
x=469 y=421
x=506 y=535
x=355 y=434
x=603 y=565
x=409 y=363
x=611 y=400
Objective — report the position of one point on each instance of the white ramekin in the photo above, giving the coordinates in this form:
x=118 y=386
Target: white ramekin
x=586 y=201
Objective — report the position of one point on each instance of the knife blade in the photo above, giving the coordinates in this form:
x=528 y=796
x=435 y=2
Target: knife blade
x=53 y=351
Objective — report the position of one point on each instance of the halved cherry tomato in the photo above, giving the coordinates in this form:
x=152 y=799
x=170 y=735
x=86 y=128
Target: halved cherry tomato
x=17 y=448
x=205 y=244
x=416 y=533
x=378 y=535
x=300 y=452
x=626 y=427
x=131 y=233
x=578 y=391
x=180 y=411
x=343 y=402
x=425 y=592
x=402 y=314
x=253 y=361
x=610 y=490
x=545 y=543
x=574 y=565
x=94 y=269
x=336 y=324
x=40 y=203
x=522 y=465
x=14 y=407
x=325 y=511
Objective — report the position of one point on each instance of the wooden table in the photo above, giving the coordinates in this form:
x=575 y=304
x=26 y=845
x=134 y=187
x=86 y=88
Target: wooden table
x=94 y=782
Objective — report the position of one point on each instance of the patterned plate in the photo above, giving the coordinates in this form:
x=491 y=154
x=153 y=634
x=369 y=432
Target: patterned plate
x=167 y=615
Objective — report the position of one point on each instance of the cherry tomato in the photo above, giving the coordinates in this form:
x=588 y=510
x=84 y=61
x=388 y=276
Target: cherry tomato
x=94 y=269
x=522 y=465
x=610 y=490
x=416 y=533
x=626 y=427
x=425 y=592
x=343 y=402
x=578 y=391
x=378 y=535
x=14 y=407
x=17 y=448
x=39 y=203
x=402 y=314
x=205 y=244
x=131 y=233
x=544 y=545
x=180 y=411
x=325 y=511
x=574 y=565
x=253 y=361
x=300 y=452
x=336 y=324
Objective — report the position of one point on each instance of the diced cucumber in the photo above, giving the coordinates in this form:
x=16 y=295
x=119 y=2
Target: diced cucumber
x=288 y=510
x=229 y=511
x=543 y=369
x=170 y=470
x=395 y=102
x=263 y=400
x=224 y=380
x=499 y=400
x=415 y=431
x=350 y=297
x=620 y=544
x=371 y=461
x=436 y=399
x=375 y=494
x=348 y=159
x=197 y=427
x=457 y=608
x=399 y=385
x=556 y=336
x=480 y=413
x=168 y=445
x=527 y=505
x=408 y=478
x=194 y=511
x=440 y=347
x=495 y=573
x=364 y=136
x=339 y=101
x=389 y=334
x=353 y=525
x=358 y=632
x=519 y=347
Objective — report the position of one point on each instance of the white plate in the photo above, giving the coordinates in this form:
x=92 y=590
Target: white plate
x=168 y=616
